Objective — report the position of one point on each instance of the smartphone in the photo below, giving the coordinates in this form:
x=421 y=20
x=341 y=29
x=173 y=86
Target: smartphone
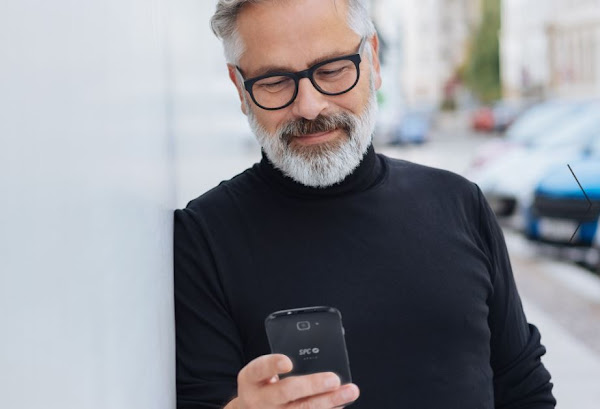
x=313 y=338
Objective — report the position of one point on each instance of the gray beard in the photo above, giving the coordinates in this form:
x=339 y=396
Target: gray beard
x=324 y=164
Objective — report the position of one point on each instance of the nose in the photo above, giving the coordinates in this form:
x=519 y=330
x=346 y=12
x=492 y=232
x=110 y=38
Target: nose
x=309 y=102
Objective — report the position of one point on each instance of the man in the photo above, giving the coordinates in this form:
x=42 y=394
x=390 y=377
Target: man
x=411 y=256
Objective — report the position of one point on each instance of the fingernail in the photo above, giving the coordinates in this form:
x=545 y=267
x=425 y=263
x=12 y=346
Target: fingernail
x=332 y=381
x=350 y=392
x=282 y=365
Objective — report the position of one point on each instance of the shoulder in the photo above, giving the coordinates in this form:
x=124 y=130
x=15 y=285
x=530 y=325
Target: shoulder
x=442 y=195
x=223 y=197
x=423 y=179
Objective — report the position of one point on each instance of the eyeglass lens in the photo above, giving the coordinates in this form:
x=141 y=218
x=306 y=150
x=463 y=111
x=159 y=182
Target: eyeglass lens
x=333 y=78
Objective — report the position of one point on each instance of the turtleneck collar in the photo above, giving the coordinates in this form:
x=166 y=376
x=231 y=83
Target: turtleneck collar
x=367 y=174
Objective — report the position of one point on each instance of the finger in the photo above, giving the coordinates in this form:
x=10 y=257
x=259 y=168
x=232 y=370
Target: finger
x=264 y=368
x=338 y=398
x=298 y=387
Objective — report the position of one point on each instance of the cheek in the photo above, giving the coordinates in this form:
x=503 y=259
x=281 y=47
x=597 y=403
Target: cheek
x=354 y=101
x=272 y=120
x=364 y=92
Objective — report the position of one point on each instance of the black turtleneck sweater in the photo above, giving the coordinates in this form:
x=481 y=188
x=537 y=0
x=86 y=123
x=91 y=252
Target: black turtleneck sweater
x=411 y=256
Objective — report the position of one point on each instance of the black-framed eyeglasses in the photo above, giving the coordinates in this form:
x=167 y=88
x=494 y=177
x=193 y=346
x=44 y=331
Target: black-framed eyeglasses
x=332 y=77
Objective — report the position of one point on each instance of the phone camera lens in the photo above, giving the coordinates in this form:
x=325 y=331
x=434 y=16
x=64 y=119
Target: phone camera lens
x=303 y=325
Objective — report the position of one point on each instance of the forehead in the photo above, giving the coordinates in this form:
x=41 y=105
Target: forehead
x=292 y=32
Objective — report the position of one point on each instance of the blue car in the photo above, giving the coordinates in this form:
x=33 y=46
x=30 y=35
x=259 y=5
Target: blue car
x=414 y=128
x=595 y=254
x=561 y=213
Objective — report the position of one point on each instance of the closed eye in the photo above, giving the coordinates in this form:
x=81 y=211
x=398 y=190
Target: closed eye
x=274 y=84
x=331 y=72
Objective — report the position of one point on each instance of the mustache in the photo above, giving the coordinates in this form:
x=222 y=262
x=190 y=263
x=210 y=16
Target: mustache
x=320 y=124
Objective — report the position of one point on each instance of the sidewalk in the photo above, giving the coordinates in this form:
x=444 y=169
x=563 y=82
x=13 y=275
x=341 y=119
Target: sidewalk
x=563 y=301
x=575 y=368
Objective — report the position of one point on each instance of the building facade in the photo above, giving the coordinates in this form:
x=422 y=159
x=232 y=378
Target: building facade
x=573 y=34
x=434 y=35
x=550 y=48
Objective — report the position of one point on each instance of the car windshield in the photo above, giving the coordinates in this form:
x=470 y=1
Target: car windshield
x=578 y=129
x=537 y=119
x=595 y=146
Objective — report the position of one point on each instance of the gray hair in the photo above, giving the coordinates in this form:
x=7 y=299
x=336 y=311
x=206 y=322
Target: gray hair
x=224 y=24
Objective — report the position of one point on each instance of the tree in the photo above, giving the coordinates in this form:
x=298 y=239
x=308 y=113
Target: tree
x=482 y=69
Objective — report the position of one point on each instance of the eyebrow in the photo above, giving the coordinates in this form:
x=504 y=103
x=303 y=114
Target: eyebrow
x=272 y=69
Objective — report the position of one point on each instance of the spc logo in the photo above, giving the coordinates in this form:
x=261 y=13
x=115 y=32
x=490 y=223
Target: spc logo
x=309 y=351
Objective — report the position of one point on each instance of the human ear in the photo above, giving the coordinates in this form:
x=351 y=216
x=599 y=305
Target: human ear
x=239 y=86
x=376 y=66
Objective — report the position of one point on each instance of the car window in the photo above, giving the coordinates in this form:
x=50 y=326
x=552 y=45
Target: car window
x=536 y=120
x=595 y=146
x=578 y=129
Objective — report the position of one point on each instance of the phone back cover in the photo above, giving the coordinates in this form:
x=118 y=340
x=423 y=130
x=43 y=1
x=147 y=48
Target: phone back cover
x=321 y=348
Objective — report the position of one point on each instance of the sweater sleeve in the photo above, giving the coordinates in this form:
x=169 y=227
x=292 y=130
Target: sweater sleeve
x=209 y=351
x=520 y=378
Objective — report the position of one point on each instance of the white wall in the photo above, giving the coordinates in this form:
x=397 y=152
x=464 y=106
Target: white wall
x=86 y=198
x=213 y=139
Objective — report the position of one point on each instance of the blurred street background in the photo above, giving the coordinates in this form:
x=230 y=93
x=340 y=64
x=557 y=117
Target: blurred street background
x=115 y=112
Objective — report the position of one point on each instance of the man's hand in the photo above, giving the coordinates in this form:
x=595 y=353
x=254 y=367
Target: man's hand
x=259 y=387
